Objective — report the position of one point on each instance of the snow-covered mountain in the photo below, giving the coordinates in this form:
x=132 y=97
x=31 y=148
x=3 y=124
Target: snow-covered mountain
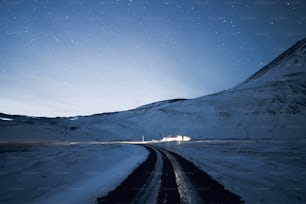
x=269 y=104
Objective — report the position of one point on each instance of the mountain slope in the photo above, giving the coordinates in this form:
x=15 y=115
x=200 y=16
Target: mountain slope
x=269 y=104
x=289 y=63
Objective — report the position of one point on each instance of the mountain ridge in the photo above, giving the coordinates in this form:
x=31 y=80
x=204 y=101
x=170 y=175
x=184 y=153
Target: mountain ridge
x=270 y=104
x=275 y=61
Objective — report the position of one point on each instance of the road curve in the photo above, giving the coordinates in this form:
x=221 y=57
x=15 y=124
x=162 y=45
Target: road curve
x=166 y=177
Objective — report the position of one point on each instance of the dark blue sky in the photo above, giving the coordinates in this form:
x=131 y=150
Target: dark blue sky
x=83 y=57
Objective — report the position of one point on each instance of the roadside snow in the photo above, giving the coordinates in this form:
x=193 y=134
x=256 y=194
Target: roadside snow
x=262 y=171
x=64 y=173
x=6 y=119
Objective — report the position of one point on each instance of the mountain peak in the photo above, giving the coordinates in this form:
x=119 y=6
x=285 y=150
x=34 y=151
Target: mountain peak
x=289 y=64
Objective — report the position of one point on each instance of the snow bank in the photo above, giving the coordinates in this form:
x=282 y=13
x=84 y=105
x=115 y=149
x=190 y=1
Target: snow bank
x=262 y=171
x=64 y=173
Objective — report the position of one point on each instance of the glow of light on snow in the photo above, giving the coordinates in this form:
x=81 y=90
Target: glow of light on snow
x=6 y=119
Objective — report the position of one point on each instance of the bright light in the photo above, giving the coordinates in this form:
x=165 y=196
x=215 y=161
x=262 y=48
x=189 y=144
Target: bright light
x=178 y=138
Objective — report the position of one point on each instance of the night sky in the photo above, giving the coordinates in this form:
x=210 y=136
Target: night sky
x=63 y=58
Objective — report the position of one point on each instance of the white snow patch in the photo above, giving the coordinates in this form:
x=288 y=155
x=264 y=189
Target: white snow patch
x=6 y=119
x=74 y=118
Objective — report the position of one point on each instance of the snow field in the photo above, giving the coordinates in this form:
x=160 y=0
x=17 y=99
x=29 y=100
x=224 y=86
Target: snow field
x=260 y=171
x=64 y=173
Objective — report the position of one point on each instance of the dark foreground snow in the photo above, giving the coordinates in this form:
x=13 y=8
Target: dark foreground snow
x=64 y=173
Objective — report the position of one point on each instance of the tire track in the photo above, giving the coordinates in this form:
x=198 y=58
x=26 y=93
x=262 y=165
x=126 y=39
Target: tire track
x=209 y=189
x=169 y=190
x=166 y=177
x=129 y=188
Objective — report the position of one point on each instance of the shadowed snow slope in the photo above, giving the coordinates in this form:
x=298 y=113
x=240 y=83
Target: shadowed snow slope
x=269 y=104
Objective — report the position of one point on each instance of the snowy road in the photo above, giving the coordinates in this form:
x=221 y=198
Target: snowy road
x=166 y=177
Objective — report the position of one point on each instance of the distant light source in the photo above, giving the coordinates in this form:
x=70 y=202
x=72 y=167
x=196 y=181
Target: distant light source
x=178 y=138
